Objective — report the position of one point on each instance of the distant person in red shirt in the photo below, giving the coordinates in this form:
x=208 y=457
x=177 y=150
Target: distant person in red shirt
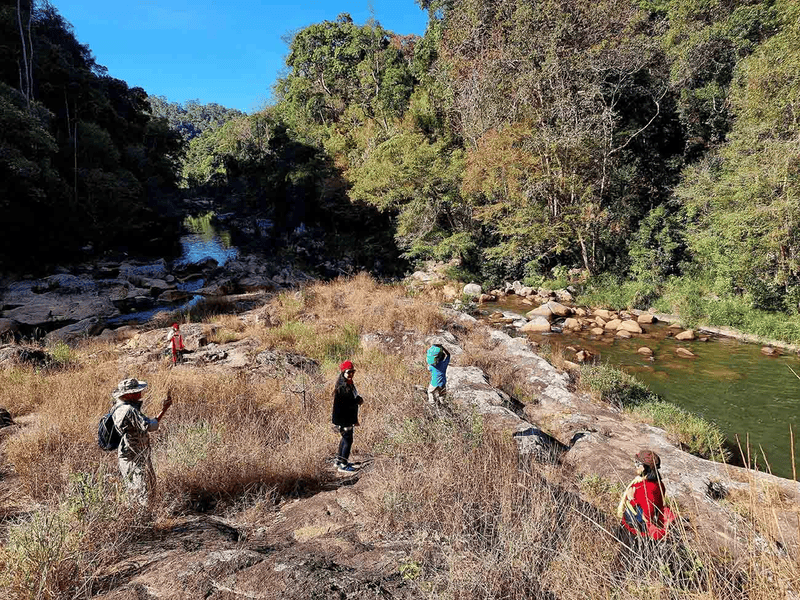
x=641 y=508
x=175 y=340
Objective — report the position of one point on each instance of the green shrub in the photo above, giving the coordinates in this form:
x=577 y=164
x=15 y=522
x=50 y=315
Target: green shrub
x=342 y=345
x=615 y=386
x=695 y=434
x=59 y=549
x=61 y=354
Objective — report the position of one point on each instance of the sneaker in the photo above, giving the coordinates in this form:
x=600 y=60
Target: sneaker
x=346 y=468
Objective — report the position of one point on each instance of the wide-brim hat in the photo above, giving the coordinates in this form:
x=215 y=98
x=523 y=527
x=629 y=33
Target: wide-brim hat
x=433 y=354
x=129 y=386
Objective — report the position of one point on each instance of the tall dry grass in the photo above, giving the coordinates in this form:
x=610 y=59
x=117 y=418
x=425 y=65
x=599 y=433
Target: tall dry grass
x=485 y=525
x=482 y=522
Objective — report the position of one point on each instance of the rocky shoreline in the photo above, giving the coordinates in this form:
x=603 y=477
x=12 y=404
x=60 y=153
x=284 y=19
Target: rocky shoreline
x=91 y=298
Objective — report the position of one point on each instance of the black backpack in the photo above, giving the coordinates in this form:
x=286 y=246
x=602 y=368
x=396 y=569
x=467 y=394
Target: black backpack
x=108 y=436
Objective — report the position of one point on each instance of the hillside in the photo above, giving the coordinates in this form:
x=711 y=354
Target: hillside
x=491 y=494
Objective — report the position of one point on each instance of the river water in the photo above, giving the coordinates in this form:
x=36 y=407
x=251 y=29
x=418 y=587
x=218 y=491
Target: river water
x=202 y=240
x=730 y=383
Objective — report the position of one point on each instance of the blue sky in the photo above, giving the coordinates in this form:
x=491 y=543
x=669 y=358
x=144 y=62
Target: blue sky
x=229 y=52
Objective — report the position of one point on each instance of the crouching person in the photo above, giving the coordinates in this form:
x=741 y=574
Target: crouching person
x=642 y=508
x=134 y=427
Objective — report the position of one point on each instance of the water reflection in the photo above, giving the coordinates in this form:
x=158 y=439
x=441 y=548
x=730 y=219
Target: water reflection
x=204 y=240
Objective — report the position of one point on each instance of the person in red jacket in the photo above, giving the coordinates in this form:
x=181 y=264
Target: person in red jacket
x=175 y=340
x=642 y=508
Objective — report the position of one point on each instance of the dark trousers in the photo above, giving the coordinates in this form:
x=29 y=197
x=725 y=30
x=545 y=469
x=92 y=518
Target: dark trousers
x=345 y=444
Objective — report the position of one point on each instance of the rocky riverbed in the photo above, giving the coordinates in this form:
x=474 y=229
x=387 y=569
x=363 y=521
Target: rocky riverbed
x=87 y=299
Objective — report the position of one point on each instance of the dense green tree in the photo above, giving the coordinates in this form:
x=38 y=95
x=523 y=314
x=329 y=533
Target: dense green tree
x=706 y=39
x=192 y=118
x=745 y=198
x=83 y=159
x=555 y=100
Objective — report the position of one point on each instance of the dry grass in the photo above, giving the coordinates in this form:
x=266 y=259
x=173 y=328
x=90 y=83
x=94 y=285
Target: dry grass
x=483 y=529
x=482 y=523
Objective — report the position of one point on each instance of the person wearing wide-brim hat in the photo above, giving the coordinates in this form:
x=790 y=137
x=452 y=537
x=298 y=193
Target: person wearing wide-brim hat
x=642 y=509
x=345 y=414
x=133 y=453
x=438 y=358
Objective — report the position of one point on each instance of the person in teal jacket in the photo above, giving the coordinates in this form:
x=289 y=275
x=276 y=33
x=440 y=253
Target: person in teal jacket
x=438 y=358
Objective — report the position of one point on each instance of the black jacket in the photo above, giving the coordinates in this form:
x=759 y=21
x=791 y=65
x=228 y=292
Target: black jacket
x=345 y=403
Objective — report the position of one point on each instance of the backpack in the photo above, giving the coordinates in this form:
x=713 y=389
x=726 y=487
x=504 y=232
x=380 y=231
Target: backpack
x=108 y=436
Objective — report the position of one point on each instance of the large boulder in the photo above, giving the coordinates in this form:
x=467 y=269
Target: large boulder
x=685 y=336
x=135 y=273
x=541 y=311
x=526 y=291
x=171 y=296
x=80 y=330
x=68 y=284
x=45 y=309
x=630 y=326
x=613 y=325
x=252 y=283
x=472 y=289
x=564 y=296
x=646 y=319
x=155 y=286
x=537 y=324
x=571 y=323
x=559 y=309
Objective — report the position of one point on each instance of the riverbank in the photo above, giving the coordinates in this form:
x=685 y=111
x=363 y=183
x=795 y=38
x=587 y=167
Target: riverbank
x=695 y=303
x=509 y=489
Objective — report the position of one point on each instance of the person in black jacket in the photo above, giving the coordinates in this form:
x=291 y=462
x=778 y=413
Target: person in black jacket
x=345 y=413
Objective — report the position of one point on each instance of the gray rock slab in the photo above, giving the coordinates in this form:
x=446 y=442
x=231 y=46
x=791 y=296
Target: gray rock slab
x=47 y=308
x=80 y=330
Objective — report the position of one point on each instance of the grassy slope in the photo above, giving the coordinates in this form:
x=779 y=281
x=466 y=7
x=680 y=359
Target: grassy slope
x=482 y=528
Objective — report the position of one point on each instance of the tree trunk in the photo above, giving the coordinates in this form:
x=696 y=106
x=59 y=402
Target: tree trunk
x=26 y=88
x=584 y=254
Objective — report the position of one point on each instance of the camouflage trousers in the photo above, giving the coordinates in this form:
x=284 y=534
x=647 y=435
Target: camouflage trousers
x=139 y=477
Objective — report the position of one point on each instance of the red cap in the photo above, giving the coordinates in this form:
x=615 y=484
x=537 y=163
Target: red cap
x=346 y=366
x=176 y=326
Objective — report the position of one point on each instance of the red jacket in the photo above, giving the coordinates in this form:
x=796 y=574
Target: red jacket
x=177 y=342
x=642 y=509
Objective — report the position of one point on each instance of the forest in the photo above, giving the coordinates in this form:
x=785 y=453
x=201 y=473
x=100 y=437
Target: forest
x=642 y=145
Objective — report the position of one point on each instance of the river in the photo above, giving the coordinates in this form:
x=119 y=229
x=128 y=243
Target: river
x=202 y=240
x=729 y=382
